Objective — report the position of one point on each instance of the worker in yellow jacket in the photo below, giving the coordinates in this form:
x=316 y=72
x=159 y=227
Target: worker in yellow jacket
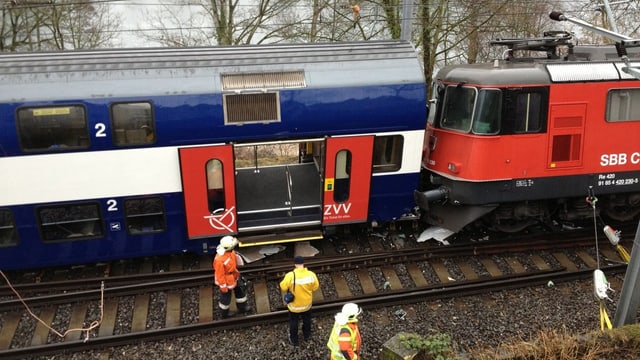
x=301 y=283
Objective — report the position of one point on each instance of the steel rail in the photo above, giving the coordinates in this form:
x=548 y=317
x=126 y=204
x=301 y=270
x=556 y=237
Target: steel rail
x=276 y=269
x=391 y=298
x=132 y=285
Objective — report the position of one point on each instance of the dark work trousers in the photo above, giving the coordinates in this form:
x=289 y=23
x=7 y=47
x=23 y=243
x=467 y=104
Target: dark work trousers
x=294 y=319
x=225 y=298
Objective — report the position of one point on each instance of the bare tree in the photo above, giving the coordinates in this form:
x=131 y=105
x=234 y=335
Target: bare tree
x=220 y=22
x=85 y=25
x=64 y=24
x=19 y=27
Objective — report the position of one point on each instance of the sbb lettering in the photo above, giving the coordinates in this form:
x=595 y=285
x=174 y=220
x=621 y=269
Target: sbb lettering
x=613 y=159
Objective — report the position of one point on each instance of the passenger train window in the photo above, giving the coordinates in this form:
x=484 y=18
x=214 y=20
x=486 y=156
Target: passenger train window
x=70 y=222
x=132 y=124
x=623 y=105
x=53 y=128
x=8 y=231
x=215 y=186
x=342 y=185
x=387 y=153
x=144 y=216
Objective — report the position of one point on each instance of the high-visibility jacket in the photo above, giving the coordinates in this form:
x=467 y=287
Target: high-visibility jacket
x=306 y=282
x=344 y=341
x=225 y=270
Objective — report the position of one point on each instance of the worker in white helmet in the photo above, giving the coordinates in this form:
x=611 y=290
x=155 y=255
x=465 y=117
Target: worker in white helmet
x=344 y=340
x=225 y=267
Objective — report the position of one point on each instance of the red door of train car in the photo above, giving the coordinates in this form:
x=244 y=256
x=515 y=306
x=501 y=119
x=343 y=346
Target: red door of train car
x=347 y=179
x=209 y=191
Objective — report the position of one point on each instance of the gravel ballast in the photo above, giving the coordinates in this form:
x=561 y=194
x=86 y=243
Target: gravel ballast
x=485 y=320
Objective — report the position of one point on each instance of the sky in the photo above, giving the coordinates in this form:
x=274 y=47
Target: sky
x=132 y=13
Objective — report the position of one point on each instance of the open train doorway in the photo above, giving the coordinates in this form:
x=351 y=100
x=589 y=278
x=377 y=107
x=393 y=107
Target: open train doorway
x=278 y=186
x=275 y=192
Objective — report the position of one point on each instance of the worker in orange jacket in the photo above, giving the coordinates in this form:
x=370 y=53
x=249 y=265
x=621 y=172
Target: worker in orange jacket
x=225 y=267
x=345 y=341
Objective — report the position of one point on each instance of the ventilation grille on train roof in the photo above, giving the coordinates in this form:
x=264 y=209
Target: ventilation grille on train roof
x=268 y=80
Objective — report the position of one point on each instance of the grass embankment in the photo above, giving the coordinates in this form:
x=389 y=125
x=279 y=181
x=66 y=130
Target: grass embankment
x=617 y=344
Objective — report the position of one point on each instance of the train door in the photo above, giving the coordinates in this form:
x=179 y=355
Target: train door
x=208 y=186
x=347 y=179
x=278 y=188
x=566 y=133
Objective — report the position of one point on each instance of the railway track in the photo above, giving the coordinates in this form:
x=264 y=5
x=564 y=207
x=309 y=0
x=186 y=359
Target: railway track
x=156 y=305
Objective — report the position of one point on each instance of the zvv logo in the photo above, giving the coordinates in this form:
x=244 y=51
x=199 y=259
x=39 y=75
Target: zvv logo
x=336 y=209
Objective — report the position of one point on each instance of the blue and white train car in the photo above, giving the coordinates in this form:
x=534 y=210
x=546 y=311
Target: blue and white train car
x=113 y=154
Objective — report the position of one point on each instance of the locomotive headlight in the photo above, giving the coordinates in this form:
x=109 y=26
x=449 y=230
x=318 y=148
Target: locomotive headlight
x=454 y=168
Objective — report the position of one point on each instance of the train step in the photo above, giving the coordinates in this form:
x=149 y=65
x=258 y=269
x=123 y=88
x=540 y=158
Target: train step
x=290 y=236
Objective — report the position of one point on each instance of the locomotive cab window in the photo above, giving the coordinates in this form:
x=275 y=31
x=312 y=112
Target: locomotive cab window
x=8 y=231
x=467 y=109
x=488 y=110
x=70 y=222
x=55 y=128
x=144 y=216
x=132 y=124
x=623 y=105
x=387 y=153
x=458 y=106
x=525 y=110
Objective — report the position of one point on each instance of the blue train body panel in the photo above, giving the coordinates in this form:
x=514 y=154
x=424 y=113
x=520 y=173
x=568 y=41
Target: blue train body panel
x=196 y=119
x=125 y=153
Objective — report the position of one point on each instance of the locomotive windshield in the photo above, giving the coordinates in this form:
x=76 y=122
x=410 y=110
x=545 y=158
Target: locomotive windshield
x=467 y=108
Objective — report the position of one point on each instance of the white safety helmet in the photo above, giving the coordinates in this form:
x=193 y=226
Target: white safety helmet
x=228 y=242
x=351 y=310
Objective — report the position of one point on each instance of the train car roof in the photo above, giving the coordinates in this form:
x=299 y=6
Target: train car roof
x=488 y=74
x=159 y=71
x=534 y=72
x=218 y=56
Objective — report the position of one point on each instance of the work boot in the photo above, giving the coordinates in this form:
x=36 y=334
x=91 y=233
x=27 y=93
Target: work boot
x=226 y=313
x=243 y=308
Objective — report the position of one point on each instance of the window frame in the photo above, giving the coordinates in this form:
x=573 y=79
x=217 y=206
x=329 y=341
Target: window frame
x=120 y=133
x=390 y=152
x=9 y=236
x=629 y=106
x=129 y=217
x=60 y=223
x=55 y=132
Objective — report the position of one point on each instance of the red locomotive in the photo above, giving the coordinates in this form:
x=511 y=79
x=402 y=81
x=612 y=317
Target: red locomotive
x=524 y=140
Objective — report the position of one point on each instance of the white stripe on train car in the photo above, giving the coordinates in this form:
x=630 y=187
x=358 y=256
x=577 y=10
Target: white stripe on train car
x=114 y=173
x=89 y=175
